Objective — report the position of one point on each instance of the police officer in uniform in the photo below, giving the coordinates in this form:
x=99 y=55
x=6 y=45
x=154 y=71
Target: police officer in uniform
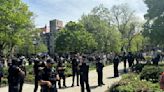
x=22 y=67
x=124 y=60
x=75 y=70
x=84 y=71
x=99 y=68
x=130 y=58
x=60 y=70
x=14 y=76
x=37 y=69
x=48 y=77
x=116 y=61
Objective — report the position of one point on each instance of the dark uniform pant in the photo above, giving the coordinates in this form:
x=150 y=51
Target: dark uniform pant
x=47 y=89
x=100 y=75
x=84 y=80
x=13 y=87
x=124 y=65
x=75 y=73
x=62 y=76
x=36 y=84
x=116 y=69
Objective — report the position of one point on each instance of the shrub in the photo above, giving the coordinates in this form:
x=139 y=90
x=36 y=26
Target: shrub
x=29 y=78
x=132 y=83
x=137 y=68
x=150 y=73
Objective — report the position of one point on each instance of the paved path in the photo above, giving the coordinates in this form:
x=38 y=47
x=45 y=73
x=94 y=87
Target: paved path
x=107 y=79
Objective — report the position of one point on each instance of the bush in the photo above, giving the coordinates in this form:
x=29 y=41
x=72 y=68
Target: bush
x=137 y=68
x=132 y=83
x=29 y=78
x=150 y=73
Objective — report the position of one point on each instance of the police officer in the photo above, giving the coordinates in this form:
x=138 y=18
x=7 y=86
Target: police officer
x=75 y=70
x=124 y=60
x=48 y=77
x=116 y=61
x=99 y=68
x=14 y=76
x=37 y=69
x=22 y=67
x=84 y=71
x=130 y=58
x=60 y=70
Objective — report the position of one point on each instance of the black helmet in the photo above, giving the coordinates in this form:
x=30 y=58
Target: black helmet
x=15 y=61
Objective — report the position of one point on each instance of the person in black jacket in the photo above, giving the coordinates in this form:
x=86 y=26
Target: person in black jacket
x=130 y=58
x=84 y=71
x=37 y=69
x=99 y=68
x=48 y=77
x=124 y=60
x=75 y=70
x=116 y=61
x=61 y=72
x=14 y=76
x=22 y=67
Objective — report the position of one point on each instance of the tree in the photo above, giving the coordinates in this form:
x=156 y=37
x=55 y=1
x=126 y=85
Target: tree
x=28 y=47
x=154 y=26
x=126 y=23
x=98 y=23
x=15 y=19
x=74 y=38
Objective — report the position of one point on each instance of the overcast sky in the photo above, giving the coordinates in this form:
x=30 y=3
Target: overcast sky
x=71 y=10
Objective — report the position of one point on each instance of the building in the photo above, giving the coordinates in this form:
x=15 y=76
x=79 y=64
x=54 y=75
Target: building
x=48 y=35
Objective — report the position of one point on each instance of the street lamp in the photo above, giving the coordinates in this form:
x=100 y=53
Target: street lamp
x=35 y=43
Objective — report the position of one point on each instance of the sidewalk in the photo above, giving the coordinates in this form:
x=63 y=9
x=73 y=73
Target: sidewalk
x=107 y=79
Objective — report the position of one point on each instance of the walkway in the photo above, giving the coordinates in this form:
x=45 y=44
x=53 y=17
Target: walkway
x=107 y=76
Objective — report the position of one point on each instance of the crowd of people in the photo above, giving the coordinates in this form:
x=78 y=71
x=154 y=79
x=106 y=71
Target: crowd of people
x=49 y=76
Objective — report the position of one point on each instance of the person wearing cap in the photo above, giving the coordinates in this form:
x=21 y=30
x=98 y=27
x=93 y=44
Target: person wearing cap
x=84 y=72
x=75 y=70
x=48 y=77
x=99 y=69
x=116 y=61
x=61 y=70
x=14 y=76
x=22 y=67
x=37 y=69
x=130 y=58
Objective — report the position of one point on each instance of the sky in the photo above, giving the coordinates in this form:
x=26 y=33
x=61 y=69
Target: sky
x=72 y=10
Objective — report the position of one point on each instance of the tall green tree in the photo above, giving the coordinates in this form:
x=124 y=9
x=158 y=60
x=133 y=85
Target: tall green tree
x=126 y=22
x=98 y=23
x=74 y=38
x=15 y=19
x=154 y=27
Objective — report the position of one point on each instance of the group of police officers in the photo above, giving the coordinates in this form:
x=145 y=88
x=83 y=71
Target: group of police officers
x=47 y=75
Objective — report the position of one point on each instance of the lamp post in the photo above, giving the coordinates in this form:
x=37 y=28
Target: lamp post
x=35 y=43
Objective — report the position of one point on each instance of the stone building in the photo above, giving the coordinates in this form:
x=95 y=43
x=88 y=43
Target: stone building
x=48 y=35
